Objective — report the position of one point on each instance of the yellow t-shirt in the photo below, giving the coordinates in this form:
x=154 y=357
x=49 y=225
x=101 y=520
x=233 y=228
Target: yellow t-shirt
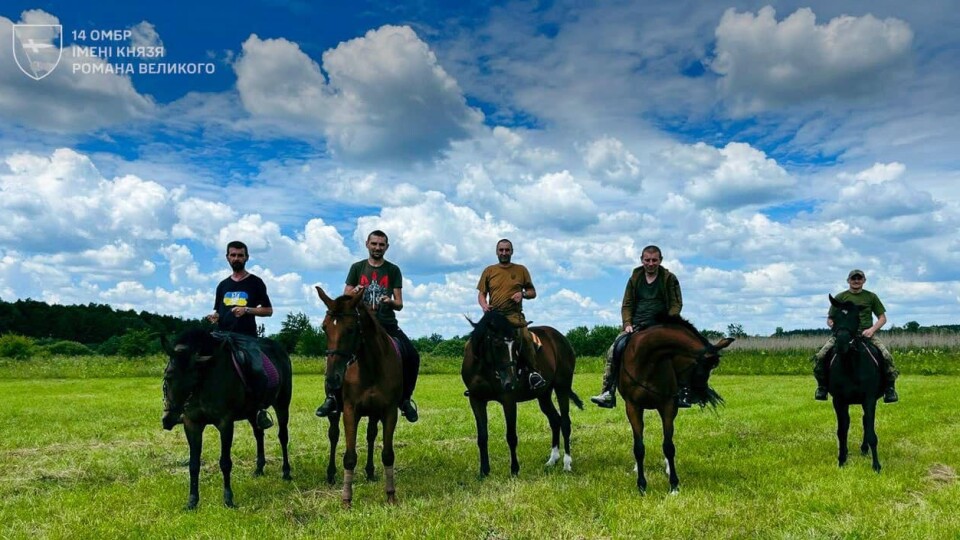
x=500 y=283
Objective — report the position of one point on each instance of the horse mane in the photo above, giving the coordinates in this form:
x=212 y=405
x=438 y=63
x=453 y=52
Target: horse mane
x=677 y=320
x=492 y=321
x=198 y=339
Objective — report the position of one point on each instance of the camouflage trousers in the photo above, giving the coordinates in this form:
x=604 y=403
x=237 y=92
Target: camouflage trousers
x=886 y=360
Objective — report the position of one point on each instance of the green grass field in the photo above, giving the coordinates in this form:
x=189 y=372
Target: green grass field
x=86 y=458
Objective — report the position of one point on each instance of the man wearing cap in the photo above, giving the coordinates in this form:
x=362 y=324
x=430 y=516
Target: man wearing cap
x=870 y=305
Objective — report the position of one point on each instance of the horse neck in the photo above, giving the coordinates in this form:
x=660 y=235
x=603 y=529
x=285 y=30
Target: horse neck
x=219 y=379
x=376 y=349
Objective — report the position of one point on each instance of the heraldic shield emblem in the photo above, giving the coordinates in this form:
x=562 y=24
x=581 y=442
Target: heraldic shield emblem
x=37 y=48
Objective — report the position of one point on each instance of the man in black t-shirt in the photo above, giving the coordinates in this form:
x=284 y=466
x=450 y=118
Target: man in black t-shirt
x=381 y=284
x=240 y=299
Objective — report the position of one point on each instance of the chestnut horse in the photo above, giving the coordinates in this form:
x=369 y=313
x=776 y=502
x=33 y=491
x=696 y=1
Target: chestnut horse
x=201 y=384
x=855 y=378
x=652 y=361
x=364 y=361
x=489 y=372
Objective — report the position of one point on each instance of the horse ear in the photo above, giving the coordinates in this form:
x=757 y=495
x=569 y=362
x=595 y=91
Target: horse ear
x=833 y=301
x=724 y=343
x=473 y=324
x=324 y=298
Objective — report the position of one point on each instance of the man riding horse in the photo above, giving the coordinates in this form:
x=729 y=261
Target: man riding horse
x=239 y=300
x=507 y=285
x=381 y=284
x=870 y=305
x=652 y=290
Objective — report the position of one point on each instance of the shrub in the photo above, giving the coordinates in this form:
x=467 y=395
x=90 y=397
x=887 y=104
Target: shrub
x=17 y=347
x=68 y=348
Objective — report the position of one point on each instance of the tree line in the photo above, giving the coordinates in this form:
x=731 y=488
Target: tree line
x=29 y=327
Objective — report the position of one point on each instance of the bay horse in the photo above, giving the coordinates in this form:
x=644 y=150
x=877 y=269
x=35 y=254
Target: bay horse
x=653 y=359
x=363 y=360
x=202 y=386
x=489 y=372
x=855 y=378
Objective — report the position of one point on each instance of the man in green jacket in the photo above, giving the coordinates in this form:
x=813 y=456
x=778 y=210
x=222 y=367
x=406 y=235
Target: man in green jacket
x=652 y=290
x=870 y=305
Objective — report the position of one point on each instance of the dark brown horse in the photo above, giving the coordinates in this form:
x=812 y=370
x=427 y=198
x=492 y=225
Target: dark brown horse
x=652 y=361
x=363 y=360
x=489 y=372
x=854 y=379
x=201 y=386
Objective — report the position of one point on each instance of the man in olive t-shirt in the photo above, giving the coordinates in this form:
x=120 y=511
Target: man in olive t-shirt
x=870 y=305
x=507 y=284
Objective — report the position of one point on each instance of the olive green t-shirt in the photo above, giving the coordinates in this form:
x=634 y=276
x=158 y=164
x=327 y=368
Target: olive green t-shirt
x=868 y=302
x=502 y=283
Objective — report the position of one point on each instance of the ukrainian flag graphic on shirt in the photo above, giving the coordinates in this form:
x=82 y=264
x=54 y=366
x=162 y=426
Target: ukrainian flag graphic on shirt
x=235 y=298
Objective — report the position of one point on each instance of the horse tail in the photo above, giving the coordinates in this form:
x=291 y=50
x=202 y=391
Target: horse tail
x=576 y=399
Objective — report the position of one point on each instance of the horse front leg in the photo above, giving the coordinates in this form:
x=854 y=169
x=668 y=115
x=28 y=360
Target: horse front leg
x=194 y=435
x=635 y=415
x=226 y=463
x=668 y=414
x=261 y=456
x=350 y=422
x=283 y=418
x=842 y=411
x=333 y=434
x=870 y=438
x=371 y=442
x=548 y=410
x=510 y=415
x=480 y=415
x=387 y=456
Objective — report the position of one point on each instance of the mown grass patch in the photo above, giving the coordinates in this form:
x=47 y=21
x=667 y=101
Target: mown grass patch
x=87 y=458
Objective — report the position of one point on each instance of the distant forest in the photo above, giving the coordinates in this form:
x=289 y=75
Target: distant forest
x=89 y=324
x=103 y=329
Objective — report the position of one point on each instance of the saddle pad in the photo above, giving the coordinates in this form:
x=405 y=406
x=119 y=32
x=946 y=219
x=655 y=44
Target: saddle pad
x=396 y=347
x=536 y=341
x=273 y=376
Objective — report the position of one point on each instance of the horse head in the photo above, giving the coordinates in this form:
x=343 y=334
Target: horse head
x=343 y=327
x=181 y=376
x=846 y=324
x=494 y=342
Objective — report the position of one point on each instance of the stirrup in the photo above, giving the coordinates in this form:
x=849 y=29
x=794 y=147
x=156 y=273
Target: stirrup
x=263 y=419
x=409 y=410
x=536 y=381
x=890 y=395
x=821 y=394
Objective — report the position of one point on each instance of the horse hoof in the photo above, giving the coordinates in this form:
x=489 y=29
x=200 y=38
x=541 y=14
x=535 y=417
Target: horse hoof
x=229 y=504
x=192 y=505
x=674 y=490
x=391 y=498
x=287 y=477
x=258 y=472
x=347 y=504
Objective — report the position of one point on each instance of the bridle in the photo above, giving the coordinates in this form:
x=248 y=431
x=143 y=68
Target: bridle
x=349 y=353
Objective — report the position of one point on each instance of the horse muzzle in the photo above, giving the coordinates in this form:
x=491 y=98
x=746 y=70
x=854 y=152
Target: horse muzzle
x=171 y=419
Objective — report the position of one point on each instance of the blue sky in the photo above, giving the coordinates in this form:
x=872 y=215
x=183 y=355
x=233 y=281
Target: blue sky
x=767 y=148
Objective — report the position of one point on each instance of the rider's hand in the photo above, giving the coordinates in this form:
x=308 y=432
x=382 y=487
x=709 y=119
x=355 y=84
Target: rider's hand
x=213 y=317
x=628 y=328
x=868 y=333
